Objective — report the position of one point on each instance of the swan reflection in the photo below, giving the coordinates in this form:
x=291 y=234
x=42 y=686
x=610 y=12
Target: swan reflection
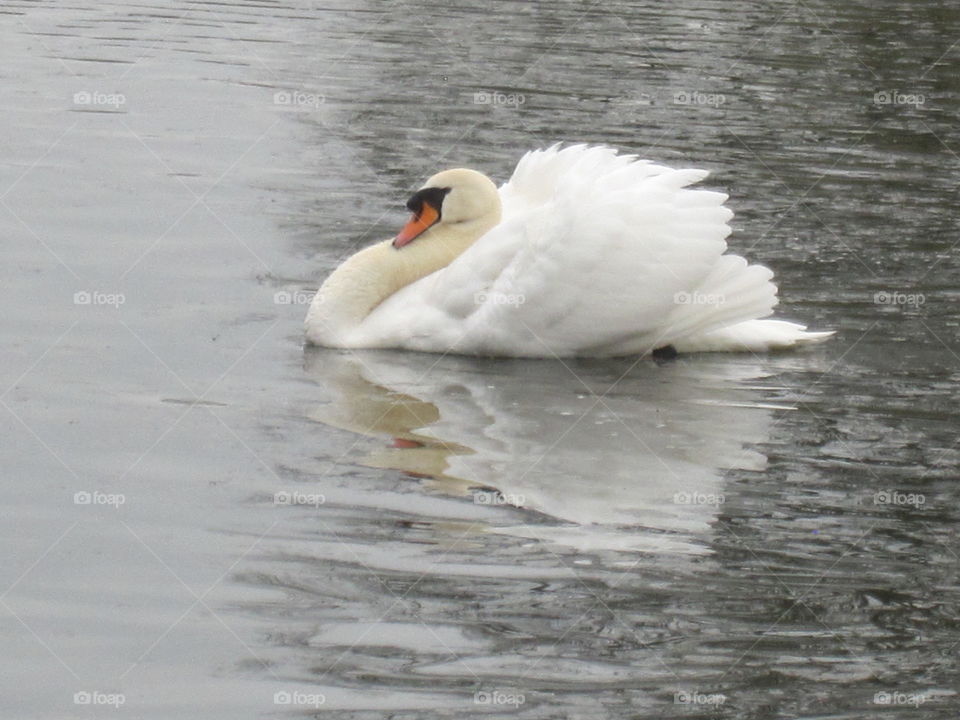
x=594 y=454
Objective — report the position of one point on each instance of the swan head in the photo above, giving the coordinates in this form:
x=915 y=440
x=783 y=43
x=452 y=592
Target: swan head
x=463 y=199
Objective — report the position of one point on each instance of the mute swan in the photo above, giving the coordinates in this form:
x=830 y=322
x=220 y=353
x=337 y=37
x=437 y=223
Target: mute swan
x=583 y=252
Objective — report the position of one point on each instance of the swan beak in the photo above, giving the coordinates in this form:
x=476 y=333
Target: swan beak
x=417 y=225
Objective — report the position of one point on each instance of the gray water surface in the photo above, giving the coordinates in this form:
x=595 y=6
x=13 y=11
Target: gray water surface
x=201 y=518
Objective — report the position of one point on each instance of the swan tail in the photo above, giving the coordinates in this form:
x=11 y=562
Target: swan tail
x=752 y=336
x=732 y=292
x=724 y=313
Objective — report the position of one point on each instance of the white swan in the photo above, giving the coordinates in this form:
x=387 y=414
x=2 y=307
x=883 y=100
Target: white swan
x=583 y=252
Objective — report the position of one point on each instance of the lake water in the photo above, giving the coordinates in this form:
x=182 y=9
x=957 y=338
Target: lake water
x=203 y=519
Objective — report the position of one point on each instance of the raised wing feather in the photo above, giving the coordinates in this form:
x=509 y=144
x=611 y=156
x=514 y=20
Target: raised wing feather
x=593 y=256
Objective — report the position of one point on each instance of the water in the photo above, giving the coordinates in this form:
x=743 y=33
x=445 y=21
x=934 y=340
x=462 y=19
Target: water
x=199 y=515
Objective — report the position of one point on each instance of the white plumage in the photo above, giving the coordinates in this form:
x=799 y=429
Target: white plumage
x=595 y=254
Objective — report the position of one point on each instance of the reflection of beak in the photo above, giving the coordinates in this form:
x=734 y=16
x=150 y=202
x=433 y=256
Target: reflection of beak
x=418 y=224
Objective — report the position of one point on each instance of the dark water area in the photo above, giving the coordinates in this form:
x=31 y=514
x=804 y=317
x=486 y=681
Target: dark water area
x=201 y=517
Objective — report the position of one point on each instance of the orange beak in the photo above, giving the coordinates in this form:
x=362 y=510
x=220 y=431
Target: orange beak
x=417 y=225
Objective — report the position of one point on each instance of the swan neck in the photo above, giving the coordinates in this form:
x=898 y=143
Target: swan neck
x=375 y=273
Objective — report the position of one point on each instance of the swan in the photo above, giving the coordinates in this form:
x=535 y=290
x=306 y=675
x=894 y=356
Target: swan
x=583 y=252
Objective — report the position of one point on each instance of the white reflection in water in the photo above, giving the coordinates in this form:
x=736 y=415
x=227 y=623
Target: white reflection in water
x=636 y=464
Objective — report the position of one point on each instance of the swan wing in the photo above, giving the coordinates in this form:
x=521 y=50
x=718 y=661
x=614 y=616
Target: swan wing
x=597 y=254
